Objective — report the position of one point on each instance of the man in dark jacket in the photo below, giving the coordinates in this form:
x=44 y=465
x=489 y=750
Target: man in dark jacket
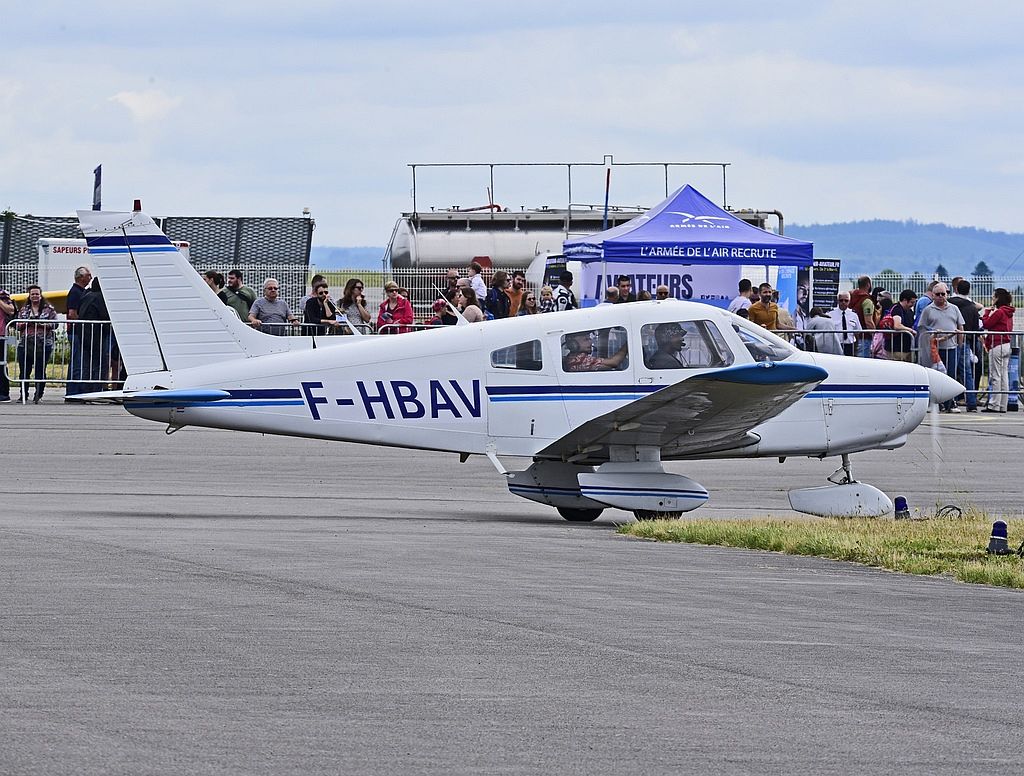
x=94 y=338
x=970 y=350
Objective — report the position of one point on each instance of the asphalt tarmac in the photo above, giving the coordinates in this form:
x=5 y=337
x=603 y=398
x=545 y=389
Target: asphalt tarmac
x=221 y=603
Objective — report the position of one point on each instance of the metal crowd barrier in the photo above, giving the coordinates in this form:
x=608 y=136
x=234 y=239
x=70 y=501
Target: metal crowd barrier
x=973 y=373
x=82 y=356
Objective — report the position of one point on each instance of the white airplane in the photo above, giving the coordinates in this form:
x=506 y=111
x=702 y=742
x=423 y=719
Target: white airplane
x=598 y=398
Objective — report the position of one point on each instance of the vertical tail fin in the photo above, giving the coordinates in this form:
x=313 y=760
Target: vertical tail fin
x=165 y=317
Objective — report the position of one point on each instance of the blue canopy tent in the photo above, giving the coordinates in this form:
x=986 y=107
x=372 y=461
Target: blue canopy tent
x=687 y=229
x=688 y=225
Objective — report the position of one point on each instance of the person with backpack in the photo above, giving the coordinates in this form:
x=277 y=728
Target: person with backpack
x=863 y=306
x=900 y=318
x=565 y=299
x=497 y=302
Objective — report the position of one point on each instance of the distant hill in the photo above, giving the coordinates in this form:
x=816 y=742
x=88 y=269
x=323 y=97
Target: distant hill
x=864 y=247
x=908 y=246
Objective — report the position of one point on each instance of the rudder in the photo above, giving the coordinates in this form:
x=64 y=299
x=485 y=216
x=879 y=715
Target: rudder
x=165 y=316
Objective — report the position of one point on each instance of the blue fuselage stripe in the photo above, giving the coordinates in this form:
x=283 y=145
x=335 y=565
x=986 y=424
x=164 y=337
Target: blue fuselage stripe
x=628 y=393
x=596 y=491
x=133 y=240
x=134 y=249
x=225 y=403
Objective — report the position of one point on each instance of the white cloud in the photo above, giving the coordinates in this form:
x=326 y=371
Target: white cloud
x=828 y=111
x=147 y=106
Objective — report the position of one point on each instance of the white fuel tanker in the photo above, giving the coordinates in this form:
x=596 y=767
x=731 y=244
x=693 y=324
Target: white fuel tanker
x=501 y=237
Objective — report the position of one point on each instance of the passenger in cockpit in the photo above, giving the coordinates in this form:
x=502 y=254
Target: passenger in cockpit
x=579 y=358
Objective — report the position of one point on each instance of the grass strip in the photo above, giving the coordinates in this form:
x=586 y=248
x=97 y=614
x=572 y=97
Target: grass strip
x=953 y=547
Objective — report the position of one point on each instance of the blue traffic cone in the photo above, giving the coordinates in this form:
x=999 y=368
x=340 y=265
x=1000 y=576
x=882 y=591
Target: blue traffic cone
x=997 y=544
x=902 y=510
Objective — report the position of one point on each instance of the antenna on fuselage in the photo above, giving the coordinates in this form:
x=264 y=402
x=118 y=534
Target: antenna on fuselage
x=458 y=313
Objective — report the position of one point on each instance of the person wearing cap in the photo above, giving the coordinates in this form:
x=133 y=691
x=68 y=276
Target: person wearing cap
x=671 y=341
x=443 y=314
x=395 y=311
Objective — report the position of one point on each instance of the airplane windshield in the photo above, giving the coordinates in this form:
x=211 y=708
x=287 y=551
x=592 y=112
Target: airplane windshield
x=763 y=348
x=684 y=345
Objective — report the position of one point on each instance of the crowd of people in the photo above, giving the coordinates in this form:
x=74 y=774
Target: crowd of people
x=942 y=329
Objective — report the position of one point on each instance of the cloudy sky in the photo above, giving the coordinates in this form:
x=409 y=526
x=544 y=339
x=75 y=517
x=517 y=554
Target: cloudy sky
x=828 y=111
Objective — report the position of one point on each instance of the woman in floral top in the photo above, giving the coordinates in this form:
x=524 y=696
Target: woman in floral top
x=35 y=343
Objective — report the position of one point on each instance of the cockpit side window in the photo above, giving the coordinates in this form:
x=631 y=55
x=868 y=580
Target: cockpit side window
x=595 y=350
x=684 y=345
x=524 y=355
x=762 y=348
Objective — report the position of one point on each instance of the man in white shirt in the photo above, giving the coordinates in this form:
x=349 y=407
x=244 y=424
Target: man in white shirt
x=742 y=302
x=846 y=323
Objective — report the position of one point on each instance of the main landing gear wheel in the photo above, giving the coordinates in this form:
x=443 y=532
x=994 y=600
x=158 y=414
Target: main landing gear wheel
x=579 y=515
x=646 y=514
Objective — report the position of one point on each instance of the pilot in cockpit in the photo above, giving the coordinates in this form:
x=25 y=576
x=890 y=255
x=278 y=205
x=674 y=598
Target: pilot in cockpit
x=670 y=354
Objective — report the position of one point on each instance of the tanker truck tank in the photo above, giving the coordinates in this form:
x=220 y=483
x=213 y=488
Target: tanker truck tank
x=509 y=239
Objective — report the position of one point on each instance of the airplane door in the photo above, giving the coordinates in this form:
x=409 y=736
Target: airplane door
x=523 y=400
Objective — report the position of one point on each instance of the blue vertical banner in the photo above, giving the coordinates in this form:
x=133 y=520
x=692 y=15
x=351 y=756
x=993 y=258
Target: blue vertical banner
x=98 y=173
x=785 y=284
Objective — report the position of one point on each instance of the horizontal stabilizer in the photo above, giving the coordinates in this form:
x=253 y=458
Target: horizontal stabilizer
x=179 y=395
x=160 y=397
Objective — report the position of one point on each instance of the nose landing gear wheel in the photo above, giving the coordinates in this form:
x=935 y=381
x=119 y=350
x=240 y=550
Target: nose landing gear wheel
x=646 y=514
x=579 y=515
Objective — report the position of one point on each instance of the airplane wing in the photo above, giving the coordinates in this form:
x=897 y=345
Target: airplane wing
x=703 y=414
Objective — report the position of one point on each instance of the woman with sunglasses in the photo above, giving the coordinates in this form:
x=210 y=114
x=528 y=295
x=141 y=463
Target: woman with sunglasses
x=353 y=306
x=320 y=315
x=529 y=306
x=395 y=309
